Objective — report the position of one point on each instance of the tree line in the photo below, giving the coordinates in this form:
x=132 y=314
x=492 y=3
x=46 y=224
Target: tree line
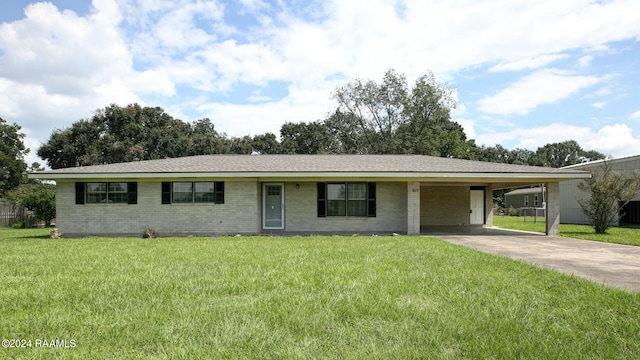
x=386 y=117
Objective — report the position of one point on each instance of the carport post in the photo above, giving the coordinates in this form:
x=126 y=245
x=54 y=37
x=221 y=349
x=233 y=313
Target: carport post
x=488 y=205
x=553 y=208
x=413 y=208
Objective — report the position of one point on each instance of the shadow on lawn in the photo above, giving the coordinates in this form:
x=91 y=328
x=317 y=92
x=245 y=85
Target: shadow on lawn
x=25 y=237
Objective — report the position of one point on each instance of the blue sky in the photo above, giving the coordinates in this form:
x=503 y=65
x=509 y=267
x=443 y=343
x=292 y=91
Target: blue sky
x=527 y=73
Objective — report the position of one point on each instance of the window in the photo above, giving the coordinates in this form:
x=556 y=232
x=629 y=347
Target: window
x=526 y=200
x=346 y=199
x=204 y=192
x=193 y=192
x=117 y=192
x=336 y=200
x=357 y=200
x=107 y=192
x=182 y=192
x=96 y=193
x=535 y=200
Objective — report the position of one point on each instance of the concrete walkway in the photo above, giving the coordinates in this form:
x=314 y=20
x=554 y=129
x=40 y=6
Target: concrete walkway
x=610 y=264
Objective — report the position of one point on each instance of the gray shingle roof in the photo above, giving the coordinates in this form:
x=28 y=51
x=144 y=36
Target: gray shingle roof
x=307 y=164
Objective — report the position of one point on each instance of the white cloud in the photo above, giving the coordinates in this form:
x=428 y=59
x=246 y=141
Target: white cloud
x=532 y=138
x=599 y=104
x=468 y=126
x=542 y=87
x=530 y=63
x=153 y=81
x=60 y=50
x=635 y=115
x=585 y=61
x=616 y=139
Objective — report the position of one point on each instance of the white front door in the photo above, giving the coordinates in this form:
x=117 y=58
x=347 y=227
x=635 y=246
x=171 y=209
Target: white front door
x=476 y=216
x=273 y=206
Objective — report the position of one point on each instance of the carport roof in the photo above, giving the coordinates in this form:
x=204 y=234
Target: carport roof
x=408 y=166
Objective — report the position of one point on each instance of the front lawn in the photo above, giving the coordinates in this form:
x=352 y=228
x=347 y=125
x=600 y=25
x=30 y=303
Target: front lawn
x=300 y=297
x=618 y=235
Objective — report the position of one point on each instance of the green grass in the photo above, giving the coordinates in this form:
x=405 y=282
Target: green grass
x=300 y=297
x=618 y=235
x=519 y=223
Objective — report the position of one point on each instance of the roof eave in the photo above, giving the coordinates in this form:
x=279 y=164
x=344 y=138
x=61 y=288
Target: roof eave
x=302 y=175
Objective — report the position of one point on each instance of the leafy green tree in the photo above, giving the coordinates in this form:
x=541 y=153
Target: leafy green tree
x=428 y=128
x=377 y=109
x=12 y=152
x=206 y=140
x=241 y=145
x=497 y=154
x=305 y=138
x=131 y=133
x=608 y=192
x=348 y=136
x=564 y=153
x=391 y=118
x=37 y=197
x=265 y=144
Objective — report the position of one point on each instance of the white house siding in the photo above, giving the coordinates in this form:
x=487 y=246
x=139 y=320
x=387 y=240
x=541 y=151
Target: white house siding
x=444 y=205
x=239 y=213
x=570 y=210
x=301 y=211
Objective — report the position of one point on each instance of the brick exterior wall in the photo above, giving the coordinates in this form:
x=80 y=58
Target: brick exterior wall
x=444 y=205
x=239 y=213
x=301 y=212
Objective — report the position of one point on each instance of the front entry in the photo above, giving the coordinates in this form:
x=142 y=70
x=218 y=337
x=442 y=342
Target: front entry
x=476 y=216
x=273 y=206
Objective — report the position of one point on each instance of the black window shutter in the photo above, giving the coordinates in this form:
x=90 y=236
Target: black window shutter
x=166 y=193
x=371 y=201
x=322 y=199
x=132 y=189
x=219 y=192
x=79 y=193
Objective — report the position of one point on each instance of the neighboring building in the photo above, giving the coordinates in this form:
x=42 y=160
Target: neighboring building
x=531 y=197
x=570 y=210
x=289 y=194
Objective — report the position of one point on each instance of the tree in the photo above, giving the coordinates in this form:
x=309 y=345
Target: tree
x=131 y=133
x=608 y=192
x=12 y=152
x=305 y=138
x=37 y=197
x=564 y=153
x=391 y=118
x=265 y=144
x=428 y=129
x=206 y=140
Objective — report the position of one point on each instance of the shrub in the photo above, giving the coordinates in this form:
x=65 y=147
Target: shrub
x=608 y=191
x=149 y=234
x=18 y=224
x=55 y=234
x=513 y=211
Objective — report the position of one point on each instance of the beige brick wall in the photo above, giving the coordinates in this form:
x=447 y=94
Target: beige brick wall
x=301 y=211
x=444 y=205
x=239 y=213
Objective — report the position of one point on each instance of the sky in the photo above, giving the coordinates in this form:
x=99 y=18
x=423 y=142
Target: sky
x=526 y=72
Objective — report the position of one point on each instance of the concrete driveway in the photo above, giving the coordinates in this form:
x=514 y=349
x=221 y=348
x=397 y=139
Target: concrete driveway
x=610 y=264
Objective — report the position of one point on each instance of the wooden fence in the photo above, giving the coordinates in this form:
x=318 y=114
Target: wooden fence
x=10 y=213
